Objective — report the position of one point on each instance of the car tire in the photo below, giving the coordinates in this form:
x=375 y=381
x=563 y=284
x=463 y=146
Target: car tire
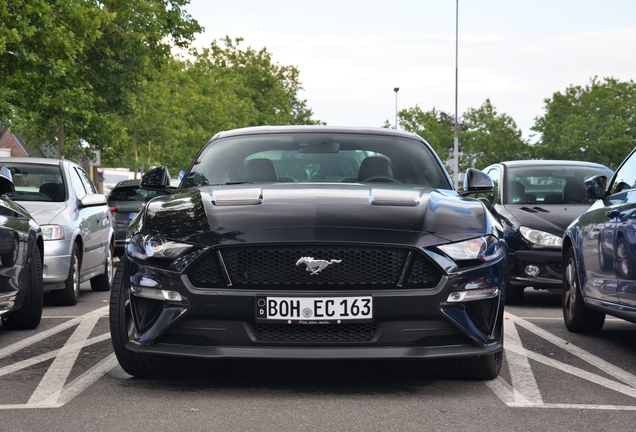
x=625 y=267
x=70 y=294
x=29 y=315
x=122 y=325
x=485 y=367
x=104 y=282
x=514 y=294
x=578 y=318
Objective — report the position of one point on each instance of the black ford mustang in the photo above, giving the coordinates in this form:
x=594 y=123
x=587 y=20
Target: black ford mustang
x=312 y=242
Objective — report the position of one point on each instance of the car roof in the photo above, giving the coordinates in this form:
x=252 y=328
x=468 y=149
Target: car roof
x=543 y=162
x=127 y=183
x=39 y=161
x=315 y=129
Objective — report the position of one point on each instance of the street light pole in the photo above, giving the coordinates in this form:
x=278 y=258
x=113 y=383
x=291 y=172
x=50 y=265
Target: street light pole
x=456 y=141
x=396 y=90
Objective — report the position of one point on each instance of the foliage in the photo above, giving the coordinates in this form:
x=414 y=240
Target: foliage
x=594 y=123
x=68 y=65
x=484 y=136
x=436 y=127
x=488 y=137
x=218 y=88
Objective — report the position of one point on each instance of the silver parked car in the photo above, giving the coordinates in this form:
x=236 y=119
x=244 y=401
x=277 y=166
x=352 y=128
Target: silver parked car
x=75 y=220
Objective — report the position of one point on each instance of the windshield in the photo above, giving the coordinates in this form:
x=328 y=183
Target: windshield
x=554 y=184
x=37 y=182
x=317 y=158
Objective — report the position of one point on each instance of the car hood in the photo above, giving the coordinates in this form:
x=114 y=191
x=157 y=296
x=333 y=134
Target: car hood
x=228 y=214
x=552 y=218
x=43 y=212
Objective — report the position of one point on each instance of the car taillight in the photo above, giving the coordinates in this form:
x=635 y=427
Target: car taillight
x=113 y=208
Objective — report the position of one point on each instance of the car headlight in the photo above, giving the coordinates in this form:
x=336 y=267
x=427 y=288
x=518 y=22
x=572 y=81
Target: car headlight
x=145 y=247
x=485 y=248
x=540 y=238
x=52 y=232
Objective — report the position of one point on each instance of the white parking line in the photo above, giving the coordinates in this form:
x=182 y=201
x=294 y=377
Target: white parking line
x=52 y=392
x=53 y=381
x=524 y=385
x=523 y=391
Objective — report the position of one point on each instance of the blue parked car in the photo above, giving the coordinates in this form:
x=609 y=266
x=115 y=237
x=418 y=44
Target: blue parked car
x=599 y=254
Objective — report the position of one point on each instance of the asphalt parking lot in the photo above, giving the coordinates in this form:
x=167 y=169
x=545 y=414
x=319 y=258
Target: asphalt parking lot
x=64 y=376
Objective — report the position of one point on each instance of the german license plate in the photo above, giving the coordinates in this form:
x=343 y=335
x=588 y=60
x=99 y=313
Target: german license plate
x=314 y=310
x=132 y=215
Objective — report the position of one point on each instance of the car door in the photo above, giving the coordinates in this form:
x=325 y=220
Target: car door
x=90 y=222
x=608 y=239
x=622 y=216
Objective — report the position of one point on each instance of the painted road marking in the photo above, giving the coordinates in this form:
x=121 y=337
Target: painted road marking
x=52 y=391
x=523 y=391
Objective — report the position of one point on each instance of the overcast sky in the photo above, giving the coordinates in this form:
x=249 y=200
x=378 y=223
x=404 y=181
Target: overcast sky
x=352 y=54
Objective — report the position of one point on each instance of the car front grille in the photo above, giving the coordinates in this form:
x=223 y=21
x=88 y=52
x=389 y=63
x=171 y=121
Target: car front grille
x=276 y=267
x=299 y=334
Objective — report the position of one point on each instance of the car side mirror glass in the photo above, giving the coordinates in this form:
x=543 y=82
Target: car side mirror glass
x=156 y=179
x=476 y=181
x=595 y=187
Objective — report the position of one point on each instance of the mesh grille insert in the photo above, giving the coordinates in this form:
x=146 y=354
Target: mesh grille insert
x=355 y=267
x=358 y=266
x=423 y=274
x=206 y=273
x=283 y=333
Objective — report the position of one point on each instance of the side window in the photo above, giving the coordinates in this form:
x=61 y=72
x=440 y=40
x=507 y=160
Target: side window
x=625 y=177
x=493 y=173
x=88 y=183
x=78 y=185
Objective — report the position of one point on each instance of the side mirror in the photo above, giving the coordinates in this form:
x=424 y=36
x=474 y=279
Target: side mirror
x=595 y=186
x=476 y=181
x=156 y=179
x=91 y=200
x=6 y=181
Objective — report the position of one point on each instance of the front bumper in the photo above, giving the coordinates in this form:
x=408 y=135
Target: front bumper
x=57 y=261
x=548 y=263
x=220 y=323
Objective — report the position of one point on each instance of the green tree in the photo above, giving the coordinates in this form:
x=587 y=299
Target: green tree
x=219 y=88
x=485 y=136
x=594 y=123
x=436 y=127
x=488 y=137
x=68 y=65
x=267 y=91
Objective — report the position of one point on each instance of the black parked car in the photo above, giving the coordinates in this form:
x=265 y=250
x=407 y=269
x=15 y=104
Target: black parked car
x=125 y=200
x=535 y=200
x=312 y=242
x=21 y=246
x=599 y=253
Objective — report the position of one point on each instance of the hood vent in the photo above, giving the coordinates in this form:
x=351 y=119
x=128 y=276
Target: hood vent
x=237 y=197
x=535 y=210
x=391 y=197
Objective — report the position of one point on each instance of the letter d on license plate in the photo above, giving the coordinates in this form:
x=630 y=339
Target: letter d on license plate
x=314 y=310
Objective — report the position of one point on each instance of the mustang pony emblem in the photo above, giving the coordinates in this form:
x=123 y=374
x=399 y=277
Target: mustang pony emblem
x=315 y=266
